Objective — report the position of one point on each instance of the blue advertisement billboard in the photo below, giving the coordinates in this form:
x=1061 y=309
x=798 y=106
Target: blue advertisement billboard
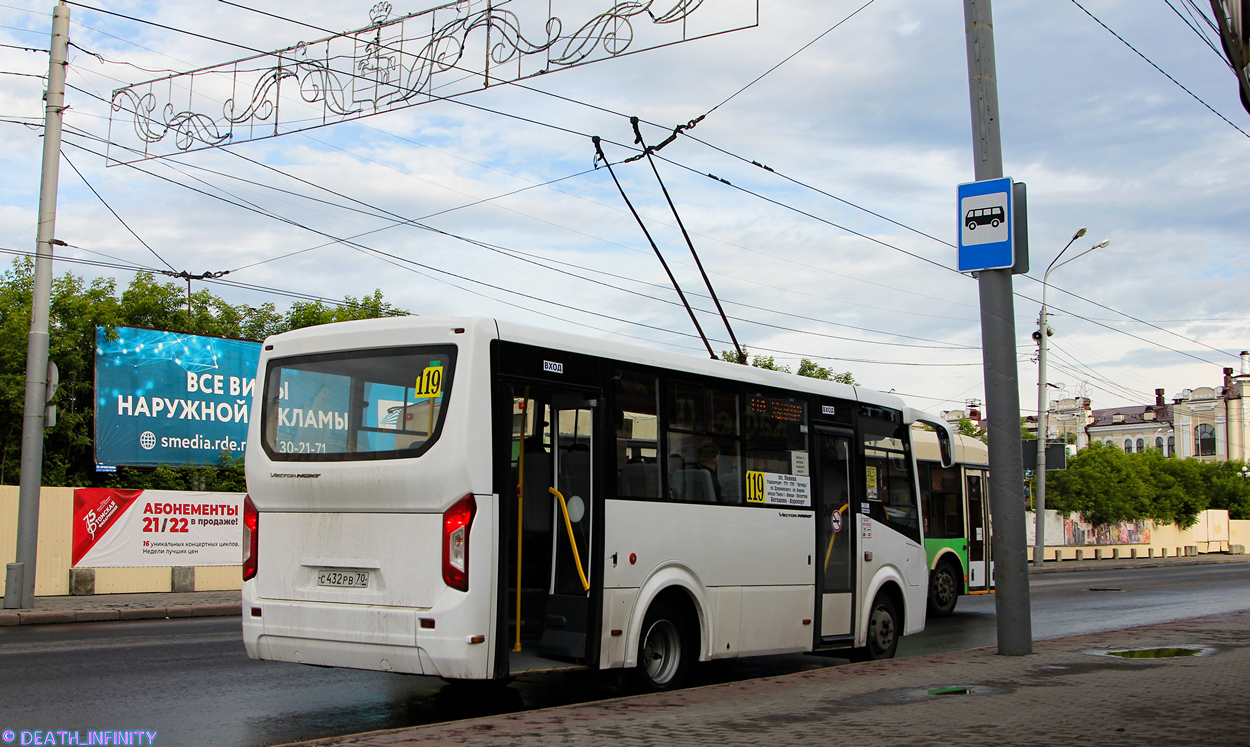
x=171 y=398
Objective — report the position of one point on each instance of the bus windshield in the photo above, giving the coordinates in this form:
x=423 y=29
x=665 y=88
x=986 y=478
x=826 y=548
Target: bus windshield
x=371 y=404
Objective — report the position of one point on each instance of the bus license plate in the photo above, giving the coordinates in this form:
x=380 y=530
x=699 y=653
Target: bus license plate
x=343 y=579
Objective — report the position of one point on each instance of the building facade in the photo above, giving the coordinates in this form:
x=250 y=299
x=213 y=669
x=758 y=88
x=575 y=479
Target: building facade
x=1207 y=423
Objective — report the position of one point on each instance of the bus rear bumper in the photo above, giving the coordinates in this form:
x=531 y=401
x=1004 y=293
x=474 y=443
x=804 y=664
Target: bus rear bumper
x=385 y=639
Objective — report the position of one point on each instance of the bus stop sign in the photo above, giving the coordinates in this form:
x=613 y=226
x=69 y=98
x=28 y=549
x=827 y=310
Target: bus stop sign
x=985 y=225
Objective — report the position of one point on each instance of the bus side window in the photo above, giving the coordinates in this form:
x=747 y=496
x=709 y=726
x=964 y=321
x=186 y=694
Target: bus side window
x=703 y=446
x=775 y=433
x=635 y=409
x=890 y=493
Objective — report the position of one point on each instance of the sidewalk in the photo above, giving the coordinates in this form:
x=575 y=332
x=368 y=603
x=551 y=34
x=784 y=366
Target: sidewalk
x=220 y=603
x=125 y=607
x=1069 y=692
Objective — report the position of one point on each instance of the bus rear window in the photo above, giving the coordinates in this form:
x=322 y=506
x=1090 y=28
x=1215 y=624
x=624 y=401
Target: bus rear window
x=368 y=404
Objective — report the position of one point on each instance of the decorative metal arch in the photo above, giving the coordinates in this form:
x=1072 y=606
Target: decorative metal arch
x=395 y=63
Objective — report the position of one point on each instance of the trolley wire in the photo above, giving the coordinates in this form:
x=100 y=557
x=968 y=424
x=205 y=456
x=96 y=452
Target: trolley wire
x=1161 y=70
x=916 y=256
x=374 y=211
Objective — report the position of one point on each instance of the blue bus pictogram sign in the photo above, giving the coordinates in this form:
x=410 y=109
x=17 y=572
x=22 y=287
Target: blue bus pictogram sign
x=986 y=225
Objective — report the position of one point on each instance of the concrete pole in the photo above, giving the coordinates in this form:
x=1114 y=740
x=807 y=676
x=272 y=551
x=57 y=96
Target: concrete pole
x=37 y=345
x=1039 y=480
x=998 y=345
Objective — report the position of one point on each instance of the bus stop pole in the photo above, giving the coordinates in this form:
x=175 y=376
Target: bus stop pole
x=998 y=344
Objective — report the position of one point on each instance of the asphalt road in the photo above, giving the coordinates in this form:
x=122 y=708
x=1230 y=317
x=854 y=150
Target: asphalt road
x=190 y=681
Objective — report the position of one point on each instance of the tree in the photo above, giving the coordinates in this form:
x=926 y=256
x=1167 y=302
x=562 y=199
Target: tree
x=965 y=427
x=1227 y=488
x=1025 y=433
x=1107 y=485
x=807 y=367
x=77 y=308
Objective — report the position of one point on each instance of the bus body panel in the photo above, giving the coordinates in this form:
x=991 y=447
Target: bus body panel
x=893 y=558
x=401 y=552
x=386 y=637
x=953 y=551
x=754 y=562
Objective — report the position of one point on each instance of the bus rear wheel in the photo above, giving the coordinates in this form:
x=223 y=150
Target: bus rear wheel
x=664 y=650
x=943 y=590
x=883 y=632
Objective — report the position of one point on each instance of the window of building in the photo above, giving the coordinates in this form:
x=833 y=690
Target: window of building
x=1204 y=437
x=1128 y=446
x=1110 y=443
x=703 y=447
x=1141 y=446
x=1159 y=443
x=1171 y=445
x=636 y=405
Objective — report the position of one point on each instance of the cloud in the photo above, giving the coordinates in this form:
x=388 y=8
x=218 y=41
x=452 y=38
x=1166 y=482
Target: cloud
x=876 y=113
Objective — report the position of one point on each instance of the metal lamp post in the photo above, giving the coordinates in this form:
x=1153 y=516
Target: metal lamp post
x=1043 y=332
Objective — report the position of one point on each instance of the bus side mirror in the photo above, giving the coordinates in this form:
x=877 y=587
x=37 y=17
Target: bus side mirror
x=946 y=446
x=945 y=436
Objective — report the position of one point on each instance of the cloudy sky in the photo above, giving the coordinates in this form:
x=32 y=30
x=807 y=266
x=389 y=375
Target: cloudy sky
x=839 y=254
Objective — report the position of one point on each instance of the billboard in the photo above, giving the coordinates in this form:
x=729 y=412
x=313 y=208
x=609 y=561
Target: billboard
x=156 y=528
x=171 y=398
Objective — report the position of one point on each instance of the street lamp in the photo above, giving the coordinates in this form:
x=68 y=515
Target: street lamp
x=1044 y=331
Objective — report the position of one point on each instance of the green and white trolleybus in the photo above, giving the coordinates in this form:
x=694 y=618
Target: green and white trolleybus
x=476 y=499
x=955 y=503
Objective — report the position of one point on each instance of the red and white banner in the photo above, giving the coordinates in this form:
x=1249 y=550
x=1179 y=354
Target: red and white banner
x=156 y=528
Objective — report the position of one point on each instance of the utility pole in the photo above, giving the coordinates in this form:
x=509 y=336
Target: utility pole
x=998 y=344
x=1043 y=416
x=37 y=345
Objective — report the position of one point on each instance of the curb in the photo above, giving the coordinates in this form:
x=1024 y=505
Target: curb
x=1076 y=566
x=50 y=617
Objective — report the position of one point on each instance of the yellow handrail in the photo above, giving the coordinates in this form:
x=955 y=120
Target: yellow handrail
x=834 y=536
x=520 y=504
x=577 y=558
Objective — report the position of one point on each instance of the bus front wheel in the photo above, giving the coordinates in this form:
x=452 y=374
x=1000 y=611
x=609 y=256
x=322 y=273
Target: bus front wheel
x=883 y=631
x=944 y=586
x=664 y=650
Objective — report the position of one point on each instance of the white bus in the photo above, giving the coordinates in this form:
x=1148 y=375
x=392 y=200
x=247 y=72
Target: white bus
x=474 y=499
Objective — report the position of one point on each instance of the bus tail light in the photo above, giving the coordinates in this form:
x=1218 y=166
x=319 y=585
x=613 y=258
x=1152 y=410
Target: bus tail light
x=251 y=525
x=457 y=521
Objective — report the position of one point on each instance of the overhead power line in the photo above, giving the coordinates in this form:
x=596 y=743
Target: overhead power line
x=114 y=212
x=374 y=211
x=556 y=127
x=1161 y=70
x=163 y=26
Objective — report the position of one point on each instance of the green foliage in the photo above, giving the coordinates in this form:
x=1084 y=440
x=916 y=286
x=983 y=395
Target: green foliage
x=1025 y=433
x=77 y=308
x=807 y=367
x=965 y=427
x=1108 y=485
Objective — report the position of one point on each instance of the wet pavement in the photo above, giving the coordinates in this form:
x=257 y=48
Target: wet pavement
x=191 y=680
x=1068 y=692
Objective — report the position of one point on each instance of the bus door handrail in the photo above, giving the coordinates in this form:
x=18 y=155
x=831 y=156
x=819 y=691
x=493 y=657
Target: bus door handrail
x=834 y=536
x=577 y=558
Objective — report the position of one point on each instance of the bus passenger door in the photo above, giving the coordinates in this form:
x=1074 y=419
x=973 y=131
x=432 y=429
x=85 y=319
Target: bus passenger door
x=835 y=570
x=980 y=550
x=568 y=595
